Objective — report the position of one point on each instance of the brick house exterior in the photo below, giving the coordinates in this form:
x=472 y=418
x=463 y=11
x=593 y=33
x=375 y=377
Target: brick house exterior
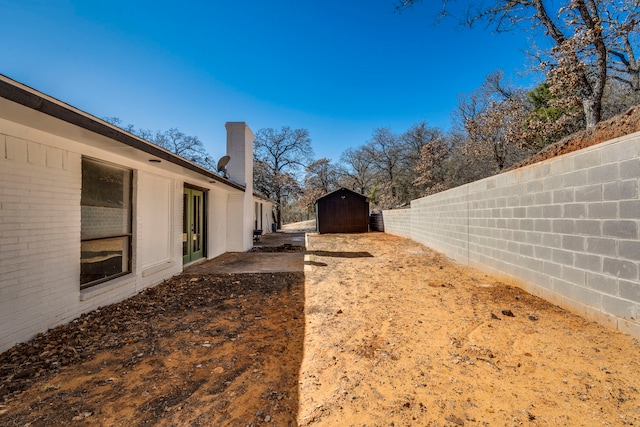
x=90 y=214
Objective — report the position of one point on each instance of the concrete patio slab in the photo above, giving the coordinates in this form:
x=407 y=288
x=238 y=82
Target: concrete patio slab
x=266 y=258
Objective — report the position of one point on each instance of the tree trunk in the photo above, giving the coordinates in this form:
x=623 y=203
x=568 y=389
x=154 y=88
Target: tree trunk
x=279 y=210
x=278 y=217
x=592 y=111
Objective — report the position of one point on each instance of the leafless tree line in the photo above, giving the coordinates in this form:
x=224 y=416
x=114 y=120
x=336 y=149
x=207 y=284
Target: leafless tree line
x=591 y=71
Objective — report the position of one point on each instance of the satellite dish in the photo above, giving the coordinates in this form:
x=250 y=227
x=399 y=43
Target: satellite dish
x=222 y=165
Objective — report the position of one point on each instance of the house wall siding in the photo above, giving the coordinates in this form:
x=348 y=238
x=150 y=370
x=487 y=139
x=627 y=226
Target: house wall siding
x=40 y=226
x=566 y=229
x=39 y=236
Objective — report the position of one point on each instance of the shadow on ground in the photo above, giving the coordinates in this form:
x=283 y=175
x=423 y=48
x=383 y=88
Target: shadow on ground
x=341 y=254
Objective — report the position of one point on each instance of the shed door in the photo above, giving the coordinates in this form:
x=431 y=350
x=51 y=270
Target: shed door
x=192 y=225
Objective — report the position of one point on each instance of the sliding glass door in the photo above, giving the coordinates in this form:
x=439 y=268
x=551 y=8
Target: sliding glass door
x=192 y=225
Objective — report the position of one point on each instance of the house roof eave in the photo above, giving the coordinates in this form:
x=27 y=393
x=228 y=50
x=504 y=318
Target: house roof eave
x=342 y=189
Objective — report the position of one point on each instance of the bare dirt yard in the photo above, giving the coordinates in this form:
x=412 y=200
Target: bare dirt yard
x=378 y=331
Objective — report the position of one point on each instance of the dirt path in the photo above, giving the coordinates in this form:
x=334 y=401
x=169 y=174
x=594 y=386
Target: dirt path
x=378 y=331
x=397 y=335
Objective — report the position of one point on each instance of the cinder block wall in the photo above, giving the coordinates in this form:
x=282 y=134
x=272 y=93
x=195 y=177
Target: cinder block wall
x=566 y=229
x=398 y=222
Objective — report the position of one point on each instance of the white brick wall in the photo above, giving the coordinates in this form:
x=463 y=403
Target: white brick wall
x=567 y=229
x=40 y=216
x=40 y=224
x=39 y=236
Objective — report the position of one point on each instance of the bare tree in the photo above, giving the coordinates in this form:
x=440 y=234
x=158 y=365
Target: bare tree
x=279 y=156
x=494 y=131
x=385 y=150
x=622 y=19
x=358 y=173
x=173 y=140
x=414 y=141
x=189 y=147
x=575 y=29
x=492 y=118
x=321 y=178
x=430 y=168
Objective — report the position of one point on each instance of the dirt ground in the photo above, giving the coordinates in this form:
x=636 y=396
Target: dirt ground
x=377 y=331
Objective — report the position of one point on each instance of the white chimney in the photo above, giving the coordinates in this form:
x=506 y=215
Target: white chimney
x=240 y=149
x=240 y=170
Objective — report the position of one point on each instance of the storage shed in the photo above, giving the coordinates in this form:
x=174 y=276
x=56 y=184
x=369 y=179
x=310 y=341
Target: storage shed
x=342 y=211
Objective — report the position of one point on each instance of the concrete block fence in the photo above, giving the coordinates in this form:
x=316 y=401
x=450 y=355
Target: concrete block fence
x=566 y=229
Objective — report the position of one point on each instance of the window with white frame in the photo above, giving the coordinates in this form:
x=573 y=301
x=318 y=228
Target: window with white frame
x=106 y=222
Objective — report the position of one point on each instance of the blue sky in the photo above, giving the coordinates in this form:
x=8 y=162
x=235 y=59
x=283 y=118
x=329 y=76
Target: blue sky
x=339 y=68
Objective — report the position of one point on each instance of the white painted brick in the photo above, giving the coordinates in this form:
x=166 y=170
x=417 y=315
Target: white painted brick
x=16 y=149
x=36 y=153
x=53 y=157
